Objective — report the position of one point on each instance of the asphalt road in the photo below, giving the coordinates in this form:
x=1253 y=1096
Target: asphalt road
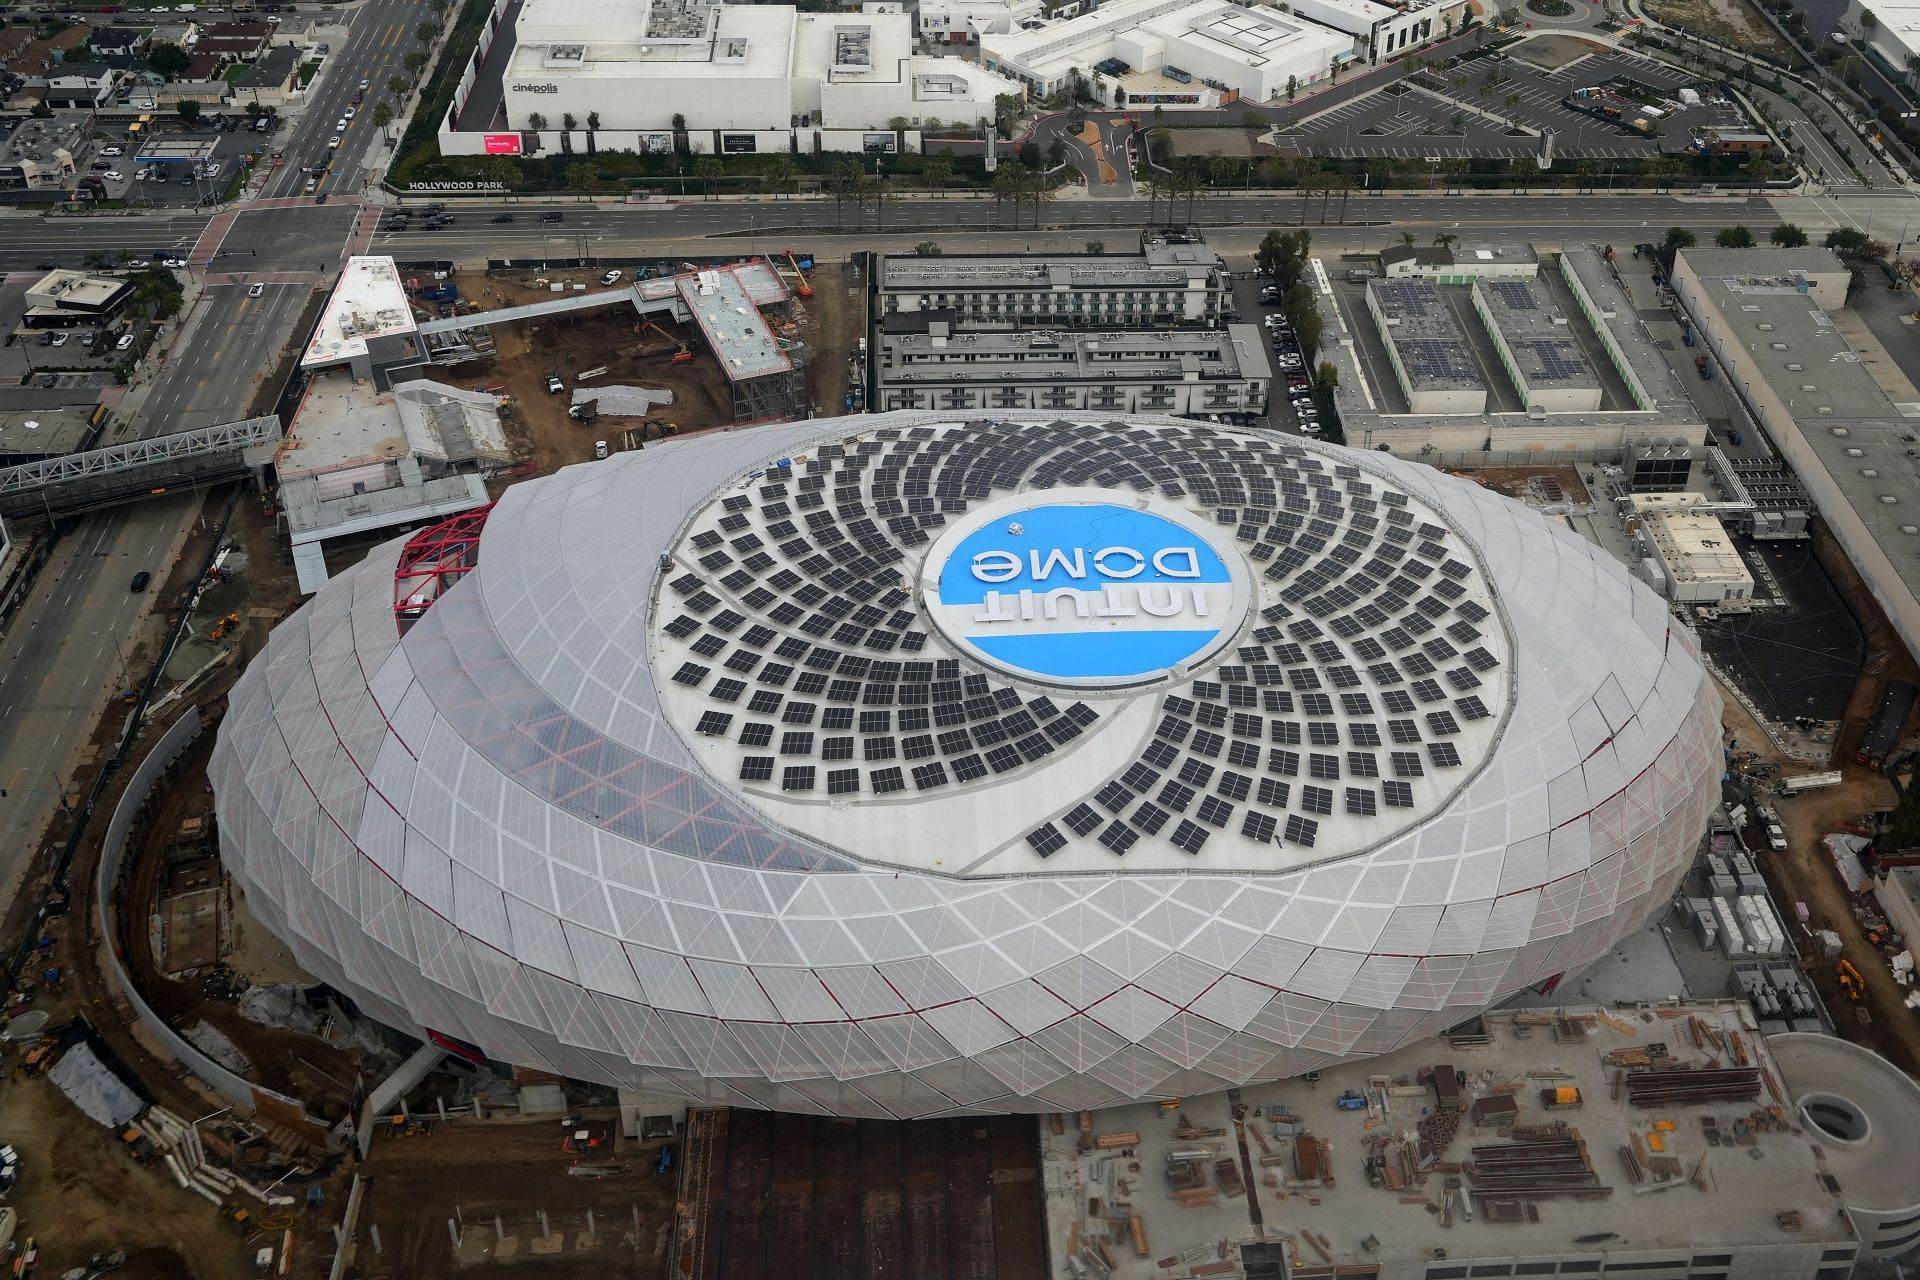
x=229 y=346
x=378 y=41
x=61 y=662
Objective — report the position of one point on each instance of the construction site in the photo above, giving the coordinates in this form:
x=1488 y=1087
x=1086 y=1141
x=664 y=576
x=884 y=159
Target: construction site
x=1650 y=1139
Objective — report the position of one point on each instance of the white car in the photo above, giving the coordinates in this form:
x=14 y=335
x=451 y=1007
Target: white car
x=364 y=84
x=59 y=339
x=1274 y=321
x=350 y=112
x=274 y=18
x=175 y=263
x=124 y=343
x=1776 y=839
x=333 y=144
x=255 y=290
x=112 y=175
x=341 y=124
x=112 y=151
x=612 y=277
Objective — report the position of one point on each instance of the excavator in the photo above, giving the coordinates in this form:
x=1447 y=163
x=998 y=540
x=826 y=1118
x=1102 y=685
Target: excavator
x=1851 y=983
x=683 y=355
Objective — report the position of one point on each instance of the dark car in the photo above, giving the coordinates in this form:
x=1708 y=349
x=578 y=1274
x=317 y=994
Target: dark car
x=502 y=217
x=46 y=266
x=141 y=579
x=321 y=198
x=553 y=217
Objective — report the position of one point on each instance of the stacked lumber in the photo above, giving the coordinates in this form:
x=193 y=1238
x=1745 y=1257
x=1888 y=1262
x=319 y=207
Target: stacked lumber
x=1684 y=1087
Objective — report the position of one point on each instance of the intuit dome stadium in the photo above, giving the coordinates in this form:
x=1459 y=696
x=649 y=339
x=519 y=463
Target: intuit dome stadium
x=898 y=765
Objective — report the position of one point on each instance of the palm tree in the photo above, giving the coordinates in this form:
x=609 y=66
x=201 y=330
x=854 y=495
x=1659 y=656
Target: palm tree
x=1520 y=168
x=780 y=174
x=1588 y=171
x=1040 y=191
x=1347 y=184
x=1445 y=239
x=939 y=169
x=1308 y=177
x=1455 y=167
x=845 y=184
x=593 y=127
x=1009 y=181
x=707 y=168
x=397 y=85
x=382 y=117
x=1512 y=103
x=1760 y=170
x=1407 y=238
x=426 y=32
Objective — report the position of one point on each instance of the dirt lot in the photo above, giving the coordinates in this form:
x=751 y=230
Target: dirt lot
x=1735 y=21
x=511 y=1169
x=1804 y=874
x=829 y=324
x=1553 y=51
x=80 y=1195
x=540 y=430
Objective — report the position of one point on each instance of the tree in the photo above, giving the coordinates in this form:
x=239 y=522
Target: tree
x=583 y=175
x=1588 y=171
x=1512 y=103
x=1006 y=113
x=568 y=122
x=1850 y=242
x=1868 y=20
x=1326 y=377
x=1293 y=87
x=680 y=146
x=415 y=62
x=167 y=59
x=1282 y=257
x=780 y=174
x=1678 y=238
x=1445 y=239
x=844 y=183
x=566 y=133
x=382 y=117
x=189 y=111
x=397 y=85
x=593 y=127
x=938 y=170
x=1734 y=237
x=157 y=292
x=927 y=249
x=1009 y=182
x=707 y=168
x=1760 y=170
x=1333 y=70
x=426 y=32
x=536 y=122
x=1096 y=247
x=1788 y=236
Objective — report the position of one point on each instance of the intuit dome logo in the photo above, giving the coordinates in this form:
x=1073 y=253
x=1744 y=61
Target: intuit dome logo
x=1084 y=592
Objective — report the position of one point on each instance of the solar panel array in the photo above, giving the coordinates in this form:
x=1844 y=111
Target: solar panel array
x=794 y=617
x=1545 y=360
x=1516 y=295
x=1436 y=360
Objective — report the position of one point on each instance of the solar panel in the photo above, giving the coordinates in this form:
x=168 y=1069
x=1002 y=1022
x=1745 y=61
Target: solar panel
x=1189 y=837
x=1046 y=840
x=756 y=768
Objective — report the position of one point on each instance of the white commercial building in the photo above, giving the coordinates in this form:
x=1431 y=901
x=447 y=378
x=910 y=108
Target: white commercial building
x=1179 y=53
x=1696 y=560
x=1386 y=30
x=745 y=77
x=965 y=21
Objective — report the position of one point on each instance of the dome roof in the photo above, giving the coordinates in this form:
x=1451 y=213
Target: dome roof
x=897 y=764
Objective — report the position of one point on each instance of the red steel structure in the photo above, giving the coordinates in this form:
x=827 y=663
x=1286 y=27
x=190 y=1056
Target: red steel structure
x=433 y=560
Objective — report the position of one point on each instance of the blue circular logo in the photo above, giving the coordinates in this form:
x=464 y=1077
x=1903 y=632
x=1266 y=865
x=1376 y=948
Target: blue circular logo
x=1083 y=592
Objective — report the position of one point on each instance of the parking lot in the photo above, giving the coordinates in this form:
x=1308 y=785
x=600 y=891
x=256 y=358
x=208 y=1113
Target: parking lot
x=1247 y=301
x=1500 y=105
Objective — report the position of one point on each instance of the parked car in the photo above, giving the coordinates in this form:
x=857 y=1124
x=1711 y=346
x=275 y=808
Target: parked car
x=112 y=175
x=1275 y=321
x=175 y=263
x=140 y=580
x=59 y=339
x=612 y=277
x=554 y=385
x=101 y=166
x=124 y=342
x=113 y=151
x=46 y=339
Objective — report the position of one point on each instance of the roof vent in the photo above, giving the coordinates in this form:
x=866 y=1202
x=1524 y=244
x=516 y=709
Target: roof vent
x=1910 y=529
x=1869 y=473
x=1839 y=431
x=1887 y=499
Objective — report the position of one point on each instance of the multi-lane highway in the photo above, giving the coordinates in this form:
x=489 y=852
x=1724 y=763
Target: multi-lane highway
x=68 y=652
x=379 y=38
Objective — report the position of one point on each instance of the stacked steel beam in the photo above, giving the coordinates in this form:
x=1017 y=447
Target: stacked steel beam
x=1684 y=1087
x=1554 y=1168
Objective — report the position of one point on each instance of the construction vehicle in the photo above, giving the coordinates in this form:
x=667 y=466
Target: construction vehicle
x=38 y=1057
x=1350 y=1101
x=1561 y=1098
x=682 y=354
x=801 y=286
x=241 y=1219
x=1851 y=983
x=586 y=411
x=137 y=1145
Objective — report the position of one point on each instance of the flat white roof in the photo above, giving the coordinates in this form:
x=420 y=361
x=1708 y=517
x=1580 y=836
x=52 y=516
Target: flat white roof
x=1696 y=548
x=1365 y=10
x=369 y=301
x=888 y=39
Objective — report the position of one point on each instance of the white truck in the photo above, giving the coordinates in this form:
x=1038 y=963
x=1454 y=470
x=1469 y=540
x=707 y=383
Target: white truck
x=1809 y=782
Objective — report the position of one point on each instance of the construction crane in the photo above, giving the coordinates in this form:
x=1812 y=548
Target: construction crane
x=682 y=354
